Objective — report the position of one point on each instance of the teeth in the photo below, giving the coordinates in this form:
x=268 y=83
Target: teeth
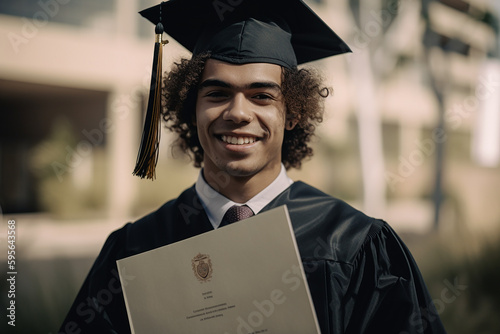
x=237 y=140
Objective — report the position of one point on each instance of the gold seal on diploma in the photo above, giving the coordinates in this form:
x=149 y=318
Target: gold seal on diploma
x=202 y=267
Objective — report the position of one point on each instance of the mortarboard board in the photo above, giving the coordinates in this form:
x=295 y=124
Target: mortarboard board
x=282 y=32
x=259 y=29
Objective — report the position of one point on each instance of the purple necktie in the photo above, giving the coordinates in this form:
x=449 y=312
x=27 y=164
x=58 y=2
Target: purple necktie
x=235 y=213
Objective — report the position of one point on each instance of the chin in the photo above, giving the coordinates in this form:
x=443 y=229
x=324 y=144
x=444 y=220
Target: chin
x=240 y=169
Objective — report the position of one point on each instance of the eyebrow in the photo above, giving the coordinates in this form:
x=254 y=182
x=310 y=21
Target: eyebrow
x=223 y=84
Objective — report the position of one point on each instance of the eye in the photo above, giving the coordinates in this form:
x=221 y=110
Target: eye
x=263 y=97
x=216 y=94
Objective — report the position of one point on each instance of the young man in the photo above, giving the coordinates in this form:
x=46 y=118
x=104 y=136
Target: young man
x=245 y=113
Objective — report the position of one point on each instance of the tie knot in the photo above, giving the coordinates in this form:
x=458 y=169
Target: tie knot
x=235 y=213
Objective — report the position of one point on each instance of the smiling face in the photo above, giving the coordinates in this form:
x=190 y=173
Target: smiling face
x=240 y=119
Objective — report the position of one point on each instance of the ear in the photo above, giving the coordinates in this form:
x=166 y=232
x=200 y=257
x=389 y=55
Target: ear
x=290 y=122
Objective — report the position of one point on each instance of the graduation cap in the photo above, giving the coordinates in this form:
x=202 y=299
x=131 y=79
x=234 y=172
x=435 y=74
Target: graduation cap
x=282 y=32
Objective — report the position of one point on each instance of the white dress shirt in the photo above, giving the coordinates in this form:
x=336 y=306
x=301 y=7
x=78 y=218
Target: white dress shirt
x=216 y=204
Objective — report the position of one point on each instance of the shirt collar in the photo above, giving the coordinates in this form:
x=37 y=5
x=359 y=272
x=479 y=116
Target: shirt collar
x=216 y=204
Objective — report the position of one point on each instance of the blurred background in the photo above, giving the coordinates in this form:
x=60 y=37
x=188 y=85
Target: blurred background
x=411 y=135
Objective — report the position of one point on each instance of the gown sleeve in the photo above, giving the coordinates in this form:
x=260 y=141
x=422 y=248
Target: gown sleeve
x=99 y=306
x=386 y=292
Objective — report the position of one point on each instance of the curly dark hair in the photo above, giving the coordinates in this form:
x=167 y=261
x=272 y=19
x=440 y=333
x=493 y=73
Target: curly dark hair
x=302 y=89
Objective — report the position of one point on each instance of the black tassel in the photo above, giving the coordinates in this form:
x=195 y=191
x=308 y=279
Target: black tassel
x=148 y=153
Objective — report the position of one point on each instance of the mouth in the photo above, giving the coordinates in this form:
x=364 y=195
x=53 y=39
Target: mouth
x=238 y=140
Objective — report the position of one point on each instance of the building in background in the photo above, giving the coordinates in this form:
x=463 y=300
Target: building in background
x=414 y=120
x=420 y=86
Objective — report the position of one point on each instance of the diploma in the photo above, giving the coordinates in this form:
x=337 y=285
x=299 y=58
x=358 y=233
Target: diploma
x=245 y=278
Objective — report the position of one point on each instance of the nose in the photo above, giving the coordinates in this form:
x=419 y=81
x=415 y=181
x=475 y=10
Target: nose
x=238 y=110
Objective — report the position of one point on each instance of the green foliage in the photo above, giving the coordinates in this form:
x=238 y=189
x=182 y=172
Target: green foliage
x=474 y=306
x=58 y=163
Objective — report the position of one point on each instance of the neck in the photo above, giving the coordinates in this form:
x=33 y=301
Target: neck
x=240 y=189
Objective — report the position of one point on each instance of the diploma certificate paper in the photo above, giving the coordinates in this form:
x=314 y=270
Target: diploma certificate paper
x=245 y=278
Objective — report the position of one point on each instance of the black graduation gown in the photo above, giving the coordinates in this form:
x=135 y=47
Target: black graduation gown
x=361 y=276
